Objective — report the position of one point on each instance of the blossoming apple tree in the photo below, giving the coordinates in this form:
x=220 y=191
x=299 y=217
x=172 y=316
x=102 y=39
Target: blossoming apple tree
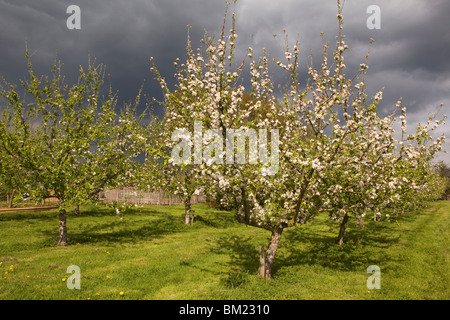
x=331 y=150
x=168 y=167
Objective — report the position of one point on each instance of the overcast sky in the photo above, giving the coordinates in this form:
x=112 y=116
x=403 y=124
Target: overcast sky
x=409 y=58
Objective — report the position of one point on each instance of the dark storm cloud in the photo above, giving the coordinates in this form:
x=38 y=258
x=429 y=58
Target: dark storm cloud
x=409 y=57
x=122 y=35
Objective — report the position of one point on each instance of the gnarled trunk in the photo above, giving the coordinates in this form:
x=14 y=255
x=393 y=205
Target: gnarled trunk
x=62 y=228
x=266 y=259
x=340 y=239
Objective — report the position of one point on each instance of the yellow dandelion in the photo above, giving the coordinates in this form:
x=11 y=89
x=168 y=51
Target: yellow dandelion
x=6 y=272
x=63 y=279
x=97 y=294
x=28 y=276
x=121 y=293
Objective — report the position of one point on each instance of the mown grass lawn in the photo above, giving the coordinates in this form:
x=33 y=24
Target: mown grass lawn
x=151 y=254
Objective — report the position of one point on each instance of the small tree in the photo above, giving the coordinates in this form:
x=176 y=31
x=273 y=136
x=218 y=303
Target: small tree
x=169 y=167
x=66 y=140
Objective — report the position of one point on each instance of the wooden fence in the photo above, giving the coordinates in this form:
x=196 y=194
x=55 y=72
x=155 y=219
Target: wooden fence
x=130 y=195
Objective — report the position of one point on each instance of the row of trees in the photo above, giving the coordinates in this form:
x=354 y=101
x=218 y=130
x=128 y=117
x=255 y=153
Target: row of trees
x=331 y=151
x=335 y=153
x=68 y=142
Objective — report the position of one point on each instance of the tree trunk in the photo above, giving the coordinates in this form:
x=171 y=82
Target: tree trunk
x=361 y=223
x=10 y=198
x=262 y=261
x=266 y=260
x=340 y=239
x=192 y=216
x=62 y=228
x=76 y=209
x=187 y=210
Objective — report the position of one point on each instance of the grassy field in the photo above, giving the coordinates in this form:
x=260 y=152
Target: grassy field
x=151 y=254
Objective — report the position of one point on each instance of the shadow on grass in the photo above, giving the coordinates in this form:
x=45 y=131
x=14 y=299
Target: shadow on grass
x=242 y=250
x=361 y=248
x=216 y=219
x=100 y=224
x=86 y=211
x=103 y=226
x=27 y=215
x=306 y=246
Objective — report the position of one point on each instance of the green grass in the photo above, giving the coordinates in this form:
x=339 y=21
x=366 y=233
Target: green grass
x=151 y=254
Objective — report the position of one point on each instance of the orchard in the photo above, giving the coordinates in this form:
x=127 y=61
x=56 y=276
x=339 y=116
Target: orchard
x=302 y=150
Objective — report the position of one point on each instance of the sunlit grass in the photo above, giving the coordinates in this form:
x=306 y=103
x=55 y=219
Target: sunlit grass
x=151 y=254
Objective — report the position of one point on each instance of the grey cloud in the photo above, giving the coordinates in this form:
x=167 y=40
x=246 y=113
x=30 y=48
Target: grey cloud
x=409 y=57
